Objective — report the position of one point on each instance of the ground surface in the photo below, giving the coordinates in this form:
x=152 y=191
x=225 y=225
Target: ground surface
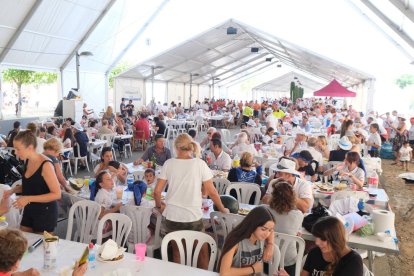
x=402 y=203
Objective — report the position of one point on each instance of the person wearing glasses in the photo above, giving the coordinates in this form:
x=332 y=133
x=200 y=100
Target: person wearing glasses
x=206 y=140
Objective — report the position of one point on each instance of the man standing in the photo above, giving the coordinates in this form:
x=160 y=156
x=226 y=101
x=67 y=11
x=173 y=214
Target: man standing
x=286 y=169
x=247 y=113
x=130 y=108
x=219 y=159
x=271 y=120
x=122 y=107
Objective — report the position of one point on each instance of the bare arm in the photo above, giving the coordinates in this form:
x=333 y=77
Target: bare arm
x=304 y=273
x=60 y=177
x=48 y=174
x=158 y=190
x=227 y=269
x=303 y=204
x=212 y=192
x=112 y=210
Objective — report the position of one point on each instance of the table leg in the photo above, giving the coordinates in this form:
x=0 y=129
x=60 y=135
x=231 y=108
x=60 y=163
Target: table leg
x=370 y=260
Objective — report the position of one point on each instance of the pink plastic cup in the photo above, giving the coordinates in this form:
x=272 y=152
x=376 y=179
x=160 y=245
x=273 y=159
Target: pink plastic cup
x=140 y=250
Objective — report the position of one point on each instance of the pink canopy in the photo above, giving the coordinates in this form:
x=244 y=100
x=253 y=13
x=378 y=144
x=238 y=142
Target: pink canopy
x=334 y=89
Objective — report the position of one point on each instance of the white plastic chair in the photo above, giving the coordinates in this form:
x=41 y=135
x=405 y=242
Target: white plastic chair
x=223 y=223
x=78 y=158
x=190 y=237
x=121 y=226
x=226 y=136
x=283 y=241
x=333 y=141
x=244 y=192
x=67 y=161
x=109 y=138
x=366 y=271
x=221 y=185
x=85 y=214
x=140 y=217
x=275 y=262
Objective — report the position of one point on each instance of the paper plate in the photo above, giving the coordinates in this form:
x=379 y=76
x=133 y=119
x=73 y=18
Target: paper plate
x=99 y=258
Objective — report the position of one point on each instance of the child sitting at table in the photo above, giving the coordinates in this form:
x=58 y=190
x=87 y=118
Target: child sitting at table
x=149 y=177
x=105 y=194
x=12 y=247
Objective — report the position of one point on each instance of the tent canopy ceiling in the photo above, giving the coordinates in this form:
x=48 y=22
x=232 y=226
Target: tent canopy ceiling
x=282 y=83
x=216 y=54
x=53 y=29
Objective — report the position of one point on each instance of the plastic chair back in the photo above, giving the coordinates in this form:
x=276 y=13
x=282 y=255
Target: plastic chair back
x=221 y=185
x=283 y=241
x=85 y=214
x=186 y=254
x=244 y=192
x=121 y=226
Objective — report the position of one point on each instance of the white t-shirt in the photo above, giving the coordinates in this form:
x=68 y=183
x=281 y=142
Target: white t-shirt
x=405 y=153
x=185 y=178
x=240 y=148
x=410 y=133
x=271 y=121
x=316 y=155
x=40 y=142
x=223 y=161
x=302 y=188
x=105 y=198
x=374 y=138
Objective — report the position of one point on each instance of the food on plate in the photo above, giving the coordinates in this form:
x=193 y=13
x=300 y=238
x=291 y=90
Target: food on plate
x=110 y=251
x=243 y=211
x=76 y=183
x=324 y=187
x=230 y=203
x=341 y=186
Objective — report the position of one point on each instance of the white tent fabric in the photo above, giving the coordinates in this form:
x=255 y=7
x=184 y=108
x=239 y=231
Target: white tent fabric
x=282 y=85
x=44 y=34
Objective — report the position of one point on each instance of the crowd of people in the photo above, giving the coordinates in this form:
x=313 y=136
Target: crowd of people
x=186 y=169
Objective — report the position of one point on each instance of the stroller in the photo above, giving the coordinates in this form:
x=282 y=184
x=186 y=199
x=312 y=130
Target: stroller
x=11 y=169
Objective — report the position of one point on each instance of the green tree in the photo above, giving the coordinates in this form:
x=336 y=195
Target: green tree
x=25 y=77
x=405 y=80
x=122 y=66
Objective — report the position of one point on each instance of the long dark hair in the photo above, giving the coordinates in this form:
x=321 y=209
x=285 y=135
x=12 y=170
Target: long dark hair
x=69 y=134
x=331 y=229
x=98 y=180
x=256 y=218
x=345 y=125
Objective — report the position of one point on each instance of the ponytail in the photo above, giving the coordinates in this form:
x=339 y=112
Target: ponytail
x=196 y=149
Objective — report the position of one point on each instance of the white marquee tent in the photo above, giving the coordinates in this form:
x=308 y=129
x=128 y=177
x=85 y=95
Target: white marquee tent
x=47 y=34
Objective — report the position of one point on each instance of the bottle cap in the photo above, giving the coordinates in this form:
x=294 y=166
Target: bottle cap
x=90 y=245
x=2 y=218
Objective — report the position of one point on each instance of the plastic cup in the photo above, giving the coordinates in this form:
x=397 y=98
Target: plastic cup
x=140 y=250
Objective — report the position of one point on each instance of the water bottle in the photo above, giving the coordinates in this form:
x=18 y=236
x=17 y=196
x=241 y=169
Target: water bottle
x=361 y=204
x=130 y=179
x=373 y=180
x=91 y=257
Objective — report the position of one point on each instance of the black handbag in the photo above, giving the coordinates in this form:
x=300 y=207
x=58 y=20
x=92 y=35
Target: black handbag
x=318 y=212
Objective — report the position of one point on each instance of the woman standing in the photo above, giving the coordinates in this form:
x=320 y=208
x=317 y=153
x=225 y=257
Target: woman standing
x=289 y=218
x=332 y=256
x=40 y=187
x=109 y=115
x=401 y=136
x=187 y=177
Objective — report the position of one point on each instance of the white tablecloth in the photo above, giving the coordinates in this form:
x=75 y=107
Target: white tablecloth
x=69 y=252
